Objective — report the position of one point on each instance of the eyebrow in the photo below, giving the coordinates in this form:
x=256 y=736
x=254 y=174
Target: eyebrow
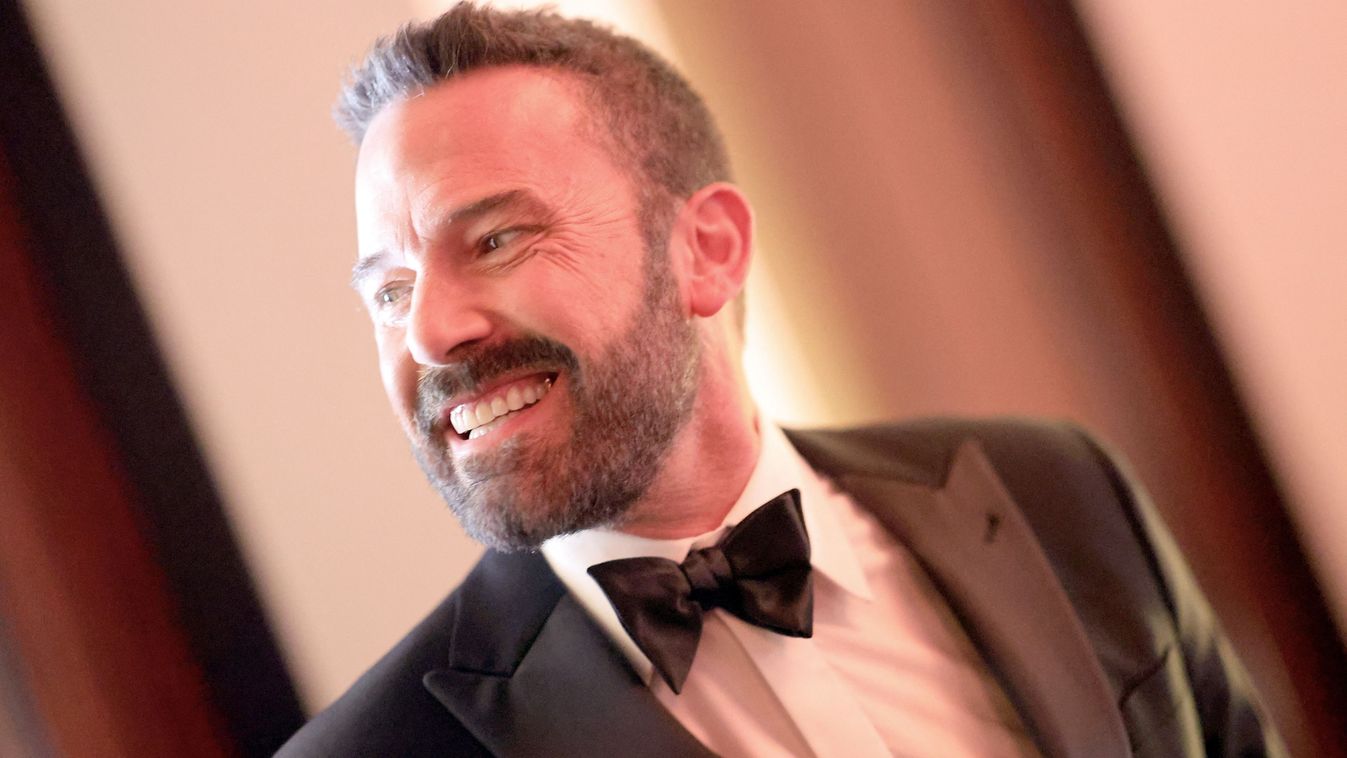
x=515 y=198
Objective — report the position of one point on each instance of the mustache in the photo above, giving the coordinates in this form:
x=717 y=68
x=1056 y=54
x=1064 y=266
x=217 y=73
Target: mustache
x=474 y=366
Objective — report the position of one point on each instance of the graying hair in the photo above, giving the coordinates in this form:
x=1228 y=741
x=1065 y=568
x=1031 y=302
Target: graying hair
x=658 y=127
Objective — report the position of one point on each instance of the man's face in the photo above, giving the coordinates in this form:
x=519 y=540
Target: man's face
x=536 y=353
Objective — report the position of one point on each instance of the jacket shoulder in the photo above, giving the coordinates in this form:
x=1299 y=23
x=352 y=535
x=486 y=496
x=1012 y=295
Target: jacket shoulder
x=484 y=626
x=921 y=451
x=388 y=711
x=1081 y=511
x=1177 y=679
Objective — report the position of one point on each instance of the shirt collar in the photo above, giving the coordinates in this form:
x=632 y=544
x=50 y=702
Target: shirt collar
x=778 y=469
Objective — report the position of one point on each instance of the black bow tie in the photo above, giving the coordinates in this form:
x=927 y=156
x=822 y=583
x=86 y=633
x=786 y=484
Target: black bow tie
x=759 y=571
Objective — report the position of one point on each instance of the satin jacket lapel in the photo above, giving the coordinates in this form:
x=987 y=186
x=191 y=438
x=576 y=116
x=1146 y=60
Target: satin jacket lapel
x=982 y=554
x=570 y=694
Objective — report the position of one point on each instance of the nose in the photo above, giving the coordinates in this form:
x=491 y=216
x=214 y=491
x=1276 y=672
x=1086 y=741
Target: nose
x=445 y=314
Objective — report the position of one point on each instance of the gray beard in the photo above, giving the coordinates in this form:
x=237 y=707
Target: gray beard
x=627 y=406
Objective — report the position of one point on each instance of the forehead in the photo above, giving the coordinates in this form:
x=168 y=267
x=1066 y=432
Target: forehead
x=497 y=126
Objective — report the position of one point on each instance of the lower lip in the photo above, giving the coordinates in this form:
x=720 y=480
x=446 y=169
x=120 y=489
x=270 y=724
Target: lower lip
x=503 y=429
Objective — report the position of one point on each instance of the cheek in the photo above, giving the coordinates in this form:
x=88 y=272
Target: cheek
x=569 y=311
x=592 y=286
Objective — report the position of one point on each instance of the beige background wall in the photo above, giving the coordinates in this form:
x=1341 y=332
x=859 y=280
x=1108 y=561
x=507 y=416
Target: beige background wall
x=207 y=130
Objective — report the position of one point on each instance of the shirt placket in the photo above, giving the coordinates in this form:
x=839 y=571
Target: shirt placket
x=820 y=704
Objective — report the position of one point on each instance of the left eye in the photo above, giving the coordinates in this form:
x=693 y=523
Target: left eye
x=498 y=240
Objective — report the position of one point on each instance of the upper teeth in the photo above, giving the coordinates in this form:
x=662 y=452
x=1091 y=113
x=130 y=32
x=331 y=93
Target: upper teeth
x=488 y=408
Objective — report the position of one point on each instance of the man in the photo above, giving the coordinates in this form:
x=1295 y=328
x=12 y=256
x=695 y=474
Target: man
x=552 y=255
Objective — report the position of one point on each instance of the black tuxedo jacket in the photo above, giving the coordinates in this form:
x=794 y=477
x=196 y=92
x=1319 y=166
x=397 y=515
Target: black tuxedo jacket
x=1058 y=568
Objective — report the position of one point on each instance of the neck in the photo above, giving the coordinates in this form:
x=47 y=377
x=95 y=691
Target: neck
x=708 y=465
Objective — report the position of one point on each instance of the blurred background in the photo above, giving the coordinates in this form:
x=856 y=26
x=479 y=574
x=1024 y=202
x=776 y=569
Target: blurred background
x=1124 y=212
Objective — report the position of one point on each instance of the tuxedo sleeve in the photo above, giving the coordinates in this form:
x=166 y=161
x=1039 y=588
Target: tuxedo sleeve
x=1232 y=721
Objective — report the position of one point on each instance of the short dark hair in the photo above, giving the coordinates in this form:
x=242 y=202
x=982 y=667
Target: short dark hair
x=655 y=125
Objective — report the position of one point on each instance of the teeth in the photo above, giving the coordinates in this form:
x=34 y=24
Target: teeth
x=481 y=430
x=474 y=419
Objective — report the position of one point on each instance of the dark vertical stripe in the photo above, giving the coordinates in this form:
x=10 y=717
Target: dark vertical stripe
x=21 y=729
x=121 y=369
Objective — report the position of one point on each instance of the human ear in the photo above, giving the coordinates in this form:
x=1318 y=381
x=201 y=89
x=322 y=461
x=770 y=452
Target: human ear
x=716 y=227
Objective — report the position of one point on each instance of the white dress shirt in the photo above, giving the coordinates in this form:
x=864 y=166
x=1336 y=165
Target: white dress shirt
x=888 y=671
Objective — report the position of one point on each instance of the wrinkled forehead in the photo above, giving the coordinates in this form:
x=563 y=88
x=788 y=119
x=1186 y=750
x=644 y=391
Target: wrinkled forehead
x=487 y=132
x=506 y=115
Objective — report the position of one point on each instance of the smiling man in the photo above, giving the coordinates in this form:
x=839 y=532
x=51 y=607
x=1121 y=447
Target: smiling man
x=535 y=328
x=521 y=317
x=552 y=256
